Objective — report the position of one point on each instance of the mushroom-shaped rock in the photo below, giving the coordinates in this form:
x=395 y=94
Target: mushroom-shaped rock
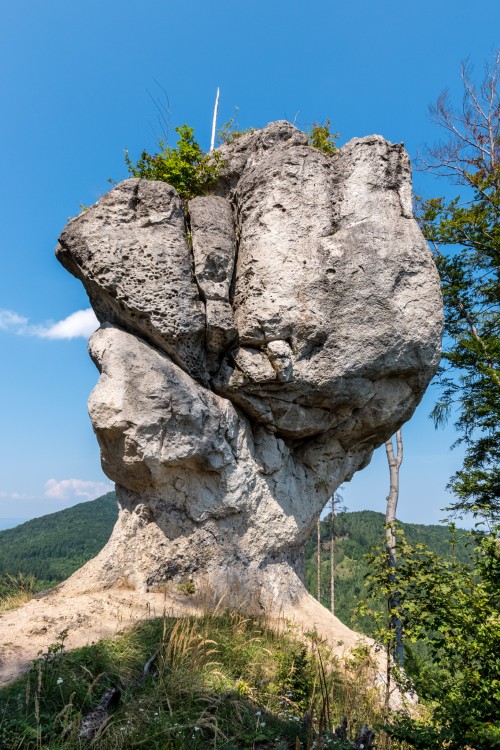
x=256 y=345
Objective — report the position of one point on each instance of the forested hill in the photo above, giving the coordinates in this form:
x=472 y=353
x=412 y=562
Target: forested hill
x=54 y=546
x=355 y=535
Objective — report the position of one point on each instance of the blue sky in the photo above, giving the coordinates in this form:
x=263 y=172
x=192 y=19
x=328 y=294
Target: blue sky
x=75 y=85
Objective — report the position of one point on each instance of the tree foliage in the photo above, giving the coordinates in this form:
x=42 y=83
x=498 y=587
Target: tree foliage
x=355 y=534
x=464 y=234
x=186 y=167
x=452 y=610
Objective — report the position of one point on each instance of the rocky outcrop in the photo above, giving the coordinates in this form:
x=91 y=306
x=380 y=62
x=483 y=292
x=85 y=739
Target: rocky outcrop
x=256 y=346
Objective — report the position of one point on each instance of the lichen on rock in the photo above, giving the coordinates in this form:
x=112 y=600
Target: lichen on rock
x=256 y=346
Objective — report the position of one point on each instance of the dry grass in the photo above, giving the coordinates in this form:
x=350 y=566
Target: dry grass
x=16 y=591
x=222 y=680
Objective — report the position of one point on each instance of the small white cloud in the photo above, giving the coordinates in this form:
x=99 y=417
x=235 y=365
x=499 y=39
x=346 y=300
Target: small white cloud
x=69 y=489
x=10 y=320
x=81 y=323
x=15 y=496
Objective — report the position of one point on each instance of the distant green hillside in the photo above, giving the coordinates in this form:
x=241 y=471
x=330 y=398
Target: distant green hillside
x=355 y=535
x=54 y=546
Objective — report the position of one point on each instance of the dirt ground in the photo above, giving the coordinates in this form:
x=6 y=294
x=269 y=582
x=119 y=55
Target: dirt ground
x=91 y=616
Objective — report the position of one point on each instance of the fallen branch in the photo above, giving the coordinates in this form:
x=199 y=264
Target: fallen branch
x=93 y=722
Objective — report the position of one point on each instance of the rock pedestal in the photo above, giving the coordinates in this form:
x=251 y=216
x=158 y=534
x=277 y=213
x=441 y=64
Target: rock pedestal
x=256 y=346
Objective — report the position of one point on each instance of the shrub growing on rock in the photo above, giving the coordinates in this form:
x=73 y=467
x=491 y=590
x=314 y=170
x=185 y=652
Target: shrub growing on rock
x=186 y=167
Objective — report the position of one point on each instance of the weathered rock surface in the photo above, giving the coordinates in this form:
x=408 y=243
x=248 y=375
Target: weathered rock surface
x=131 y=252
x=221 y=498
x=255 y=348
x=214 y=250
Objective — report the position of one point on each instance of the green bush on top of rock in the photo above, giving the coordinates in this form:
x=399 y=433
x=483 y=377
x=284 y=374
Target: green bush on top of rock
x=186 y=167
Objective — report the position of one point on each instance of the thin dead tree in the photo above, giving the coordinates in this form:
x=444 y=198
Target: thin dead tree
x=473 y=130
x=318 y=560
x=214 y=121
x=394 y=460
x=336 y=505
x=332 y=555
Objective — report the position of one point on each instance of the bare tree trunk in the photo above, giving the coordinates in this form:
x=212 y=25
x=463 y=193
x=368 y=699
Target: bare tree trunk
x=395 y=461
x=214 y=121
x=332 y=557
x=319 y=560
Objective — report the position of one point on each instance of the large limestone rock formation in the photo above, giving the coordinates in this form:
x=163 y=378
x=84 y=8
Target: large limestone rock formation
x=256 y=346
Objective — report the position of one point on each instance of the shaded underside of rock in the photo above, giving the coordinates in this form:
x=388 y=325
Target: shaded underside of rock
x=225 y=493
x=257 y=344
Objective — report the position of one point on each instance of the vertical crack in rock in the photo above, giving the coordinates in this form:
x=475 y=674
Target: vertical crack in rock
x=237 y=235
x=189 y=239
x=134 y=198
x=249 y=370
x=214 y=251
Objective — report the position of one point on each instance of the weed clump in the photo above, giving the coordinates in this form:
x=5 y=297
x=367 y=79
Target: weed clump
x=322 y=138
x=230 y=131
x=16 y=590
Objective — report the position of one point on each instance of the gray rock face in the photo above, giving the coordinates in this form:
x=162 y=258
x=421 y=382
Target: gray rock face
x=131 y=252
x=256 y=347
